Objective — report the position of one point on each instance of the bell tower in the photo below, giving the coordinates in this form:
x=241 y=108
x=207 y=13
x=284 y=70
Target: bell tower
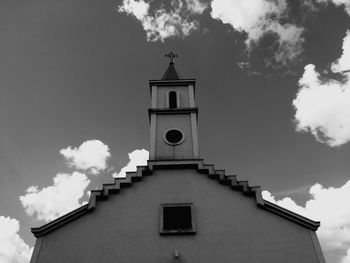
x=173 y=117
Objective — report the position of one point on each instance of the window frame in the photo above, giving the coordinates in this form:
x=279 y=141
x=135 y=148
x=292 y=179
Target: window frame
x=177 y=99
x=165 y=232
x=170 y=143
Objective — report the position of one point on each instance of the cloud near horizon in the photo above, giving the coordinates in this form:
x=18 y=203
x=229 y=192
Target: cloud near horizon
x=67 y=190
x=136 y=157
x=322 y=104
x=90 y=156
x=161 y=23
x=55 y=200
x=13 y=249
x=258 y=18
x=329 y=205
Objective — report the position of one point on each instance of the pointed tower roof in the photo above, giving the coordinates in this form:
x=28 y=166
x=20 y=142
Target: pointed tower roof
x=171 y=73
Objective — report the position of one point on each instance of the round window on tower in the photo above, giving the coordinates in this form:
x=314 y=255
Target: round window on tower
x=174 y=136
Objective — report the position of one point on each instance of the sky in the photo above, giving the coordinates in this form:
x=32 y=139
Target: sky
x=273 y=91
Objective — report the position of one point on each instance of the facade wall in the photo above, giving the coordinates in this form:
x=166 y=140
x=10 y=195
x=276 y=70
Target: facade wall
x=162 y=93
x=230 y=227
x=181 y=151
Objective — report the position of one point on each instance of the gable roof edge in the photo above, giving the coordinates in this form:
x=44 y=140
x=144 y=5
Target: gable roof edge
x=208 y=169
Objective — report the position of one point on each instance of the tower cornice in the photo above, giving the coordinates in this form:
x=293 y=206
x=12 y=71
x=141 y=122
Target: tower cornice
x=180 y=82
x=172 y=111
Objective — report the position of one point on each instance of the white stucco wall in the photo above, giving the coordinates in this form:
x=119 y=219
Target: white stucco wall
x=176 y=121
x=230 y=227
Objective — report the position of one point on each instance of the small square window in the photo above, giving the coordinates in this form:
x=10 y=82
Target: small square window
x=177 y=219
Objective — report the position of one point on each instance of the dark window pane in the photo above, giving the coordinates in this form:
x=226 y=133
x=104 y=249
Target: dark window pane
x=177 y=218
x=172 y=99
x=173 y=136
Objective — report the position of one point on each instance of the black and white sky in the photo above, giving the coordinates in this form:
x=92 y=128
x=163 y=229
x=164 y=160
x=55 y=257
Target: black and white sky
x=273 y=91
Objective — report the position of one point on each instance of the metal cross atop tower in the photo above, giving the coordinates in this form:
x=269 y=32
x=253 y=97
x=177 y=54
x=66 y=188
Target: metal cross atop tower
x=171 y=57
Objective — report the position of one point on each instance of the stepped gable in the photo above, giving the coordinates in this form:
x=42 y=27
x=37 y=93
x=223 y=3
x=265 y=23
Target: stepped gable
x=207 y=169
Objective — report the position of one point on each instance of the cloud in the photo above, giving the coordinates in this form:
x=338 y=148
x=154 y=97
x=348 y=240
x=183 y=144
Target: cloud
x=258 y=18
x=330 y=207
x=322 y=106
x=346 y=259
x=55 y=200
x=160 y=23
x=344 y=3
x=196 y=6
x=137 y=157
x=139 y=9
x=90 y=156
x=343 y=63
x=13 y=249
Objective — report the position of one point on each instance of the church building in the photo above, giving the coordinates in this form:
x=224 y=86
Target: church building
x=177 y=208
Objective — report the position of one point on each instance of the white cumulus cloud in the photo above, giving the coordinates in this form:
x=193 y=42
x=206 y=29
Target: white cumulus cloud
x=13 y=249
x=258 y=18
x=160 y=23
x=329 y=205
x=323 y=107
x=90 y=156
x=137 y=157
x=56 y=200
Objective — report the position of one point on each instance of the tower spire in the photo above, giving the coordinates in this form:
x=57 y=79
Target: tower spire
x=170 y=73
